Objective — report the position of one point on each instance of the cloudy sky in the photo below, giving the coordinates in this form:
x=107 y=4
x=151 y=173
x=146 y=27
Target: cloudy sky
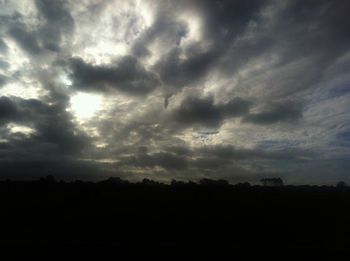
x=238 y=90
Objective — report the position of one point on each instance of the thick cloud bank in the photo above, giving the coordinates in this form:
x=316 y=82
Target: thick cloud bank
x=238 y=90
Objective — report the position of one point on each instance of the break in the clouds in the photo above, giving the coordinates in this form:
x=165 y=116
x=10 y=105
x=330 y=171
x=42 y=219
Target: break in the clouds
x=238 y=90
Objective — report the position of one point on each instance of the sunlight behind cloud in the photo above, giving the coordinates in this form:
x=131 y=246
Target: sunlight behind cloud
x=85 y=105
x=25 y=130
x=101 y=41
x=22 y=90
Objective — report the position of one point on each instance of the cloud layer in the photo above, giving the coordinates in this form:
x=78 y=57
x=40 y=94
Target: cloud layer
x=238 y=90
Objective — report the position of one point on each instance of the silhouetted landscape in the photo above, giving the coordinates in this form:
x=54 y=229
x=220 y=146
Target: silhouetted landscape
x=181 y=214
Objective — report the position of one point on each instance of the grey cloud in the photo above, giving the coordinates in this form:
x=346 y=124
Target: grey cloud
x=166 y=29
x=213 y=160
x=302 y=51
x=168 y=161
x=204 y=112
x=127 y=75
x=277 y=112
x=330 y=17
x=201 y=111
x=161 y=159
x=208 y=163
x=55 y=12
x=54 y=126
x=27 y=40
x=177 y=73
x=257 y=58
x=180 y=150
x=3 y=65
x=3 y=46
x=229 y=152
x=48 y=36
x=235 y=107
x=59 y=22
x=51 y=122
x=228 y=19
x=223 y=22
x=8 y=109
x=3 y=79
x=226 y=152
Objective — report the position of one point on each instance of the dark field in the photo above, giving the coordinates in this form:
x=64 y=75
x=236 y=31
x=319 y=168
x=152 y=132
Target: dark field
x=116 y=213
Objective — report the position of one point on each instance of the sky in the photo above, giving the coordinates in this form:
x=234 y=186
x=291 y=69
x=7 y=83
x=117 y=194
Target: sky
x=236 y=90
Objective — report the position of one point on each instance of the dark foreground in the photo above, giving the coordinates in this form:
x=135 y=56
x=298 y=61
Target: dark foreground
x=117 y=214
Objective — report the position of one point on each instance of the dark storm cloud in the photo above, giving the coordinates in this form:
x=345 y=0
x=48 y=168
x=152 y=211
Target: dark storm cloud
x=58 y=22
x=278 y=112
x=203 y=111
x=223 y=22
x=235 y=107
x=8 y=110
x=55 y=12
x=52 y=124
x=51 y=150
x=306 y=37
x=317 y=36
x=230 y=15
x=48 y=36
x=25 y=39
x=195 y=110
x=175 y=72
x=320 y=27
x=127 y=75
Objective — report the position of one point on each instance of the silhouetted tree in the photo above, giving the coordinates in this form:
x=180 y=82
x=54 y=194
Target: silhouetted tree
x=220 y=182
x=272 y=182
x=341 y=184
x=243 y=185
x=177 y=183
x=150 y=182
x=48 y=179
